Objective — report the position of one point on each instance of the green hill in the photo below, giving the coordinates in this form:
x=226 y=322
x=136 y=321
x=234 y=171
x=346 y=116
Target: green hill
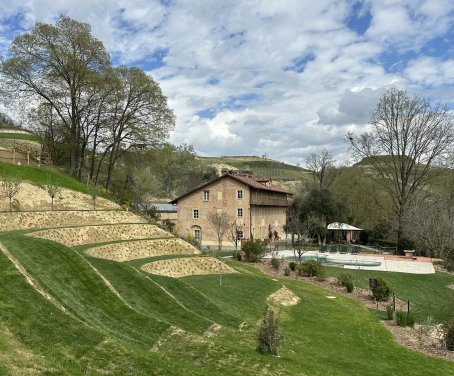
x=275 y=170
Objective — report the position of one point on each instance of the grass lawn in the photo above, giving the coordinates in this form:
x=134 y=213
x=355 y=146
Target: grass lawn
x=20 y=136
x=157 y=332
x=429 y=294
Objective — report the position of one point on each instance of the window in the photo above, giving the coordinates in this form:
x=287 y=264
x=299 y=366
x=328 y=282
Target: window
x=239 y=194
x=206 y=195
x=239 y=235
x=195 y=214
x=239 y=212
x=197 y=235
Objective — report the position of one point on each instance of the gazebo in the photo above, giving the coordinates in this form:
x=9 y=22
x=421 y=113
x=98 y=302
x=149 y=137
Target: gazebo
x=345 y=229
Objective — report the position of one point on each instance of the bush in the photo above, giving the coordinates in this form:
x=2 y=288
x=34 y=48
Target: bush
x=449 y=334
x=389 y=312
x=275 y=263
x=405 y=318
x=287 y=271
x=312 y=268
x=349 y=286
x=380 y=289
x=292 y=265
x=253 y=250
x=344 y=278
x=268 y=339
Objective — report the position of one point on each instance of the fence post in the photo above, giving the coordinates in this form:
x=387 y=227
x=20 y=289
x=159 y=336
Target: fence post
x=394 y=302
x=408 y=306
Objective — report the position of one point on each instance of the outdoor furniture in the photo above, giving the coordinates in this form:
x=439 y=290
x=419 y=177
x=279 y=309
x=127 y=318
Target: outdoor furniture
x=333 y=248
x=343 y=249
x=355 y=250
x=409 y=254
x=323 y=248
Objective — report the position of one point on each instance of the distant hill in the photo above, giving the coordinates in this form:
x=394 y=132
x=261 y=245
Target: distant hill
x=260 y=166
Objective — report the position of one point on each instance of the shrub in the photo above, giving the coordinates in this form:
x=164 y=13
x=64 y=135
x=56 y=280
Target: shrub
x=380 y=289
x=405 y=318
x=349 y=286
x=312 y=268
x=344 y=278
x=268 y=339
x=275 y=263
x=253 y=250
x=389 y=312
x=292 y=265
x=287 y=271
x=449 y=334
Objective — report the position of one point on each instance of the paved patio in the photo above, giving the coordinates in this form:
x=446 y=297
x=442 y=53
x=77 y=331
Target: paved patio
x=385 y=263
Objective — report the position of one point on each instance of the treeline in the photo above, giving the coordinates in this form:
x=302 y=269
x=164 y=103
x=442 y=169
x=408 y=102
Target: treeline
x=159 y=174
x=402 y=191
x=89 y=114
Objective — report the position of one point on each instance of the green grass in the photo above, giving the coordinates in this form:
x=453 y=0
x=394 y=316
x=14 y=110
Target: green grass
x=71 y=280
x=104 y=336
x=429 y=294
x=42 y=176
x=147 y=297
x=19 y=136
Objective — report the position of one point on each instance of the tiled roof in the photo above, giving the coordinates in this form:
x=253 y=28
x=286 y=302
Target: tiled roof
x=165 y=208
x=249 y=181
x=255 y=184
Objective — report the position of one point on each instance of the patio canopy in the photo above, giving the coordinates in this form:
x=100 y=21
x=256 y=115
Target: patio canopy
x=342 y=227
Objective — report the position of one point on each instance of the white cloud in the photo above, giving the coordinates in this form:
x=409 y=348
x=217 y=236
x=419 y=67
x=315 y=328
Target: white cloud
x=311 y=77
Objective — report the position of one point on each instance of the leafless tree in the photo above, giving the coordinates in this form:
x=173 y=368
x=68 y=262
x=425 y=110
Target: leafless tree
x=322 y=165
x=221 y=222
x=10 y=187
x=407 y=137
x=429 y=223
x=93 y=191
x=233 y=232
x=53 y=190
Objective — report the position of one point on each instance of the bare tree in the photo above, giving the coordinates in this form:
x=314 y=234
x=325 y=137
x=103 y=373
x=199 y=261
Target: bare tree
x=10 y=187
x=322 y=165
x=221 y=222
x=93 y=191
x=53 y=190
x=429 y=223
x=233 y=233
x=408 y=135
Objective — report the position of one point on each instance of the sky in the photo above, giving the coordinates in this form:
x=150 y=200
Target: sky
x=281 y=78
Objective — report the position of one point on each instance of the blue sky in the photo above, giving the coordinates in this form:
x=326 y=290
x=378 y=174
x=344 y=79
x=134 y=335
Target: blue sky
x=285 y=78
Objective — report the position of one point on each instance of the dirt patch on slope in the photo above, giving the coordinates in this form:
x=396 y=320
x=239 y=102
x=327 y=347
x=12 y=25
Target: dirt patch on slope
x=27 y=220
x=74 y=236
x=183 y=267
x=32 y=197
x=142 y=249
x=284 y=297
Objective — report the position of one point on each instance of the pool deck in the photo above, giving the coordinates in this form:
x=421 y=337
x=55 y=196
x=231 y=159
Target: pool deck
x=388 y=263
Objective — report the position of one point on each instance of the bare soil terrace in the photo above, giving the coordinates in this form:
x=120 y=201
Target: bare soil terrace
x=184 y=267
x=32 y=197
x=74 y=236
x=10 y=221
x=139 y=249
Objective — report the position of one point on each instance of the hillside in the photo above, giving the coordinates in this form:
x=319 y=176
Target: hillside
x=283 y=174
x=102 y=292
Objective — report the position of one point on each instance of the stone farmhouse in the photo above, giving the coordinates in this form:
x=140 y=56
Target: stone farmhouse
x=255 y=205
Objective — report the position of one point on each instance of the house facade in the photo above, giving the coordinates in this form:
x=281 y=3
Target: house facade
x=255 y=206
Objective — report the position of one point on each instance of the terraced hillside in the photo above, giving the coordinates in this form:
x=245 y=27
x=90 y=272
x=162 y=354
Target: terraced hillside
x=104 y=293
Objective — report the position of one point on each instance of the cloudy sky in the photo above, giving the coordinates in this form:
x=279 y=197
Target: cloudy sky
x=285 y=78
